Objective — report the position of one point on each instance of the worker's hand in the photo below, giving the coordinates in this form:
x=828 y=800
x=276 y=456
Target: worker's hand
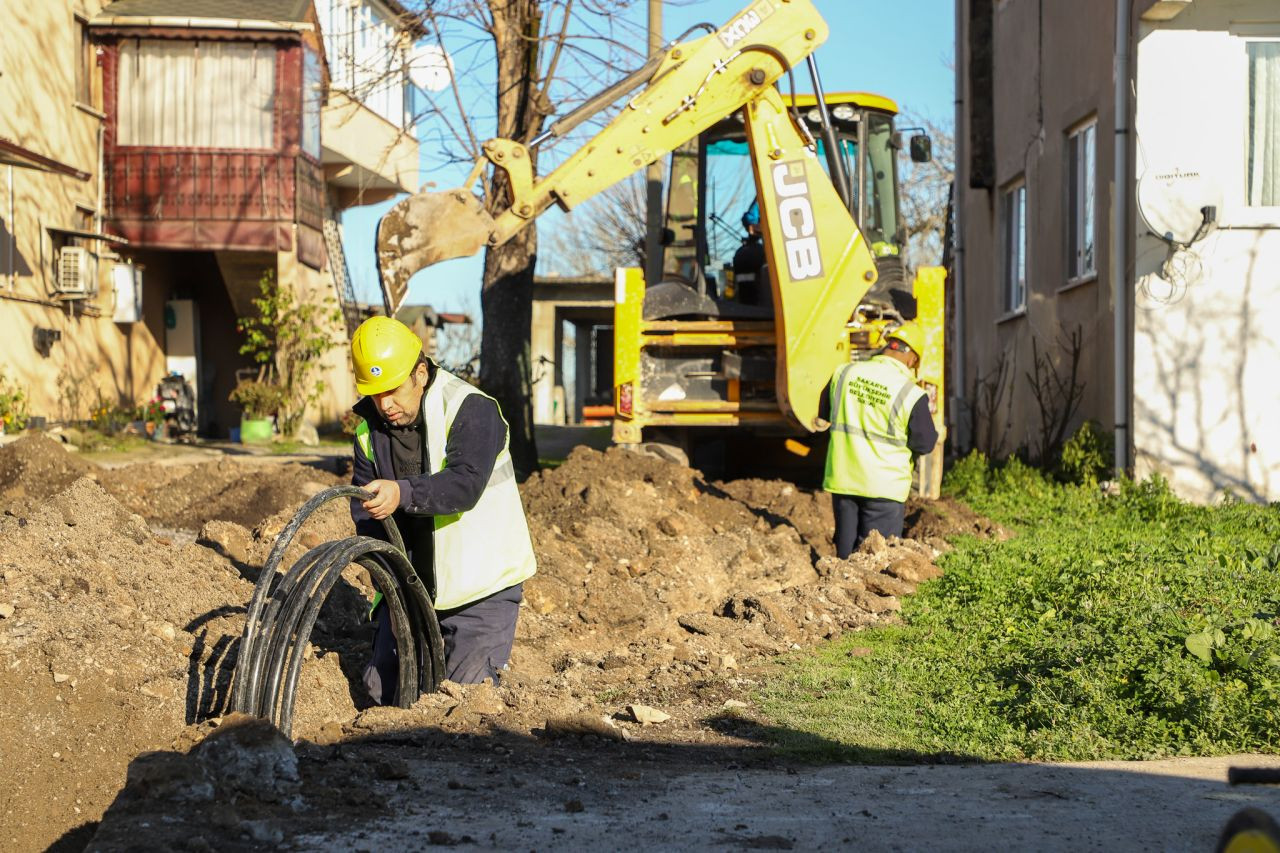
x=385 y=500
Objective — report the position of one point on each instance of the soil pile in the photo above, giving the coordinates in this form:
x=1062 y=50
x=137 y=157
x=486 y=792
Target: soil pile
x=113 y=639
x=647 y=573
x=38 y=467
x=104 y=632
x=188 y=496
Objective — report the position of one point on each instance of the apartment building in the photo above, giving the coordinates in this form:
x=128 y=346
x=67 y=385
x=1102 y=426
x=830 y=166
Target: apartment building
x=160 y=157
x=1118 y=233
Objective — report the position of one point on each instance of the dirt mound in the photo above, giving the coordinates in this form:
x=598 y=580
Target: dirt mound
x=187 y=496
x=105 y=631
x=112 y=640
x=808 y=511
x=37 y=467
x=935 y=521
x=649 y=575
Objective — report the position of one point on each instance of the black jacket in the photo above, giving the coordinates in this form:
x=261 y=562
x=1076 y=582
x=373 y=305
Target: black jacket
x=475 y=440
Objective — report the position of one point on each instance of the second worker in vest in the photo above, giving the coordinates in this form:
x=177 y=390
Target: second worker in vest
x=880 y=422
x=433 y=451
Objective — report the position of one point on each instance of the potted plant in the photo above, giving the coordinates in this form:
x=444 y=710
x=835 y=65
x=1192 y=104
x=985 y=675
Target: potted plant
x=152 y=416
x=260 y=400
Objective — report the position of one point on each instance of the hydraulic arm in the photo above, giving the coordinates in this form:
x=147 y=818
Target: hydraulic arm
x=819 y=264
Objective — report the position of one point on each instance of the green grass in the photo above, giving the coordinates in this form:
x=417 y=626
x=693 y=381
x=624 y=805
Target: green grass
x=292 y=445
x=1131 y=626
x=92 y=441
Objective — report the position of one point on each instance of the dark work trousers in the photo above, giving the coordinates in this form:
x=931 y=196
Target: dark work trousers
x=856 y=517
x=477 y=643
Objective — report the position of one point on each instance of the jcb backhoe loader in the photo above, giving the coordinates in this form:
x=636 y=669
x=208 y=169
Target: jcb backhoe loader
x=690 y=355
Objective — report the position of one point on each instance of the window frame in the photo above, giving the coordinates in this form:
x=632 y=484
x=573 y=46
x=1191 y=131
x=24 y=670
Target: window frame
x=1010 y=307
x=1266 y=212
x=1082 y=201
x=84 y=53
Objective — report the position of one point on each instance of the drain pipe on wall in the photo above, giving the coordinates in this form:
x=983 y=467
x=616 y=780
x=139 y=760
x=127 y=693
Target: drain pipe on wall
x=957 y=408
x=13 y=238
x=1120 y=241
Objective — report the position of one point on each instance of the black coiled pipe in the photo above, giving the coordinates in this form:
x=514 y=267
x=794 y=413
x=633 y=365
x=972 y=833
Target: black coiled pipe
x=279 y=621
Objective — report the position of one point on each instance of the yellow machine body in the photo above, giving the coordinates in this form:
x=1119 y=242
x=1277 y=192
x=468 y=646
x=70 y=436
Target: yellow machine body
x=767 y=370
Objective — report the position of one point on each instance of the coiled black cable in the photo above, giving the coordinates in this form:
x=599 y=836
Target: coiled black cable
x=279 y=621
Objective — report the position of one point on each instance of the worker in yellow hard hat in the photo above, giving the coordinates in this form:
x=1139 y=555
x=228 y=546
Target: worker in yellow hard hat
x=432 y=450
x=880 y=422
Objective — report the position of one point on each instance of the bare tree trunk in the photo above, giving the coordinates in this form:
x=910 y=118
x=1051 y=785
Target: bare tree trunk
x=505 y=373
x=506 y=300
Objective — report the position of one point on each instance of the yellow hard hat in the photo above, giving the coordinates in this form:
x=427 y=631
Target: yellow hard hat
x=384 y=351
x=911 y=335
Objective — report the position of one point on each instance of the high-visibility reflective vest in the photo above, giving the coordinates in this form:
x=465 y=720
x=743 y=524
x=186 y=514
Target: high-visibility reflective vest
x=487 y=548
x=871 y=403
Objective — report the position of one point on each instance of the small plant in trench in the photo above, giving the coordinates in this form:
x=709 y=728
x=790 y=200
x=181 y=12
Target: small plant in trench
x=1129 y=626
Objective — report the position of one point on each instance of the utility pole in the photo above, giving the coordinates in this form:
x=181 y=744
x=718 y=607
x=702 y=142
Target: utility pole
x=653 y=174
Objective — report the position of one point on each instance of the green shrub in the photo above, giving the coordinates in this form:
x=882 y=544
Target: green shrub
x=1088 y=456
x=967 y=476
x=258 y=399
x=1109 y=627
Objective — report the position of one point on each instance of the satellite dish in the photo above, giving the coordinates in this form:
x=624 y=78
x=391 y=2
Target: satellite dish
x=430 y=68
x=1171 y=202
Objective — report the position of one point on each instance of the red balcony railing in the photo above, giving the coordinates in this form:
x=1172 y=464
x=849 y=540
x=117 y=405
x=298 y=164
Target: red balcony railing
x=206 y=199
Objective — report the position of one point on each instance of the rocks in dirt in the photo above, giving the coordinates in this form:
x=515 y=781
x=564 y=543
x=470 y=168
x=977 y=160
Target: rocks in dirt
x=7 y=610
x=249 y=756
x=239 y=784
x=646 y=716
x=227 y=538
x=584 y=724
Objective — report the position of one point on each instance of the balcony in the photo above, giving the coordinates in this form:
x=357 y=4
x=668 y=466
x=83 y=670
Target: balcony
x=213 y=200
x=366 y=158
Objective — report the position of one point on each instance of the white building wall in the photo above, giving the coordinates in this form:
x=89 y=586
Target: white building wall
x=366 y=55
x=1206 y=372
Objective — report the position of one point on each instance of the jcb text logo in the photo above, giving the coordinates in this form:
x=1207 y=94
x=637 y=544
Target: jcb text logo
x=795 y=212
x=738 y=29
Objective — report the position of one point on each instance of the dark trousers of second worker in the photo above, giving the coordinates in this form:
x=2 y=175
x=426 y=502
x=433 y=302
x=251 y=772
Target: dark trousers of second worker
x=477 y=643
x=856 y=517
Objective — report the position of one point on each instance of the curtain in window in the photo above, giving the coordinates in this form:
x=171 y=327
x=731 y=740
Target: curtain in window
x=1264 y=123
x=196 y=94
x=312 y=102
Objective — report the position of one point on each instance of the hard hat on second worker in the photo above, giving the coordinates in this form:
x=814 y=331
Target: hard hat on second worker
x=383 y=352
x=752 y=216
x=910 y=334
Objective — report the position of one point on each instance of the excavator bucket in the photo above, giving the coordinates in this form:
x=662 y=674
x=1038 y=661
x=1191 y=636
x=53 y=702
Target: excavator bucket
x=424 y=229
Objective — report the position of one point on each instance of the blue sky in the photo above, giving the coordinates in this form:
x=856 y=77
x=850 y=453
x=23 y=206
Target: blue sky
x=901 y=49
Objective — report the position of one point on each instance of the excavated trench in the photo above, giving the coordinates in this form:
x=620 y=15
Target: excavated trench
x=122 y=597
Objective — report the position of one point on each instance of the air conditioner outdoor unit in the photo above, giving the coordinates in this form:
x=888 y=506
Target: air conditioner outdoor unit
x=75 y=275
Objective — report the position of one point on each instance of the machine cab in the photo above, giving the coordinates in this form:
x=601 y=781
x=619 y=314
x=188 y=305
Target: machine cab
x=712 y=187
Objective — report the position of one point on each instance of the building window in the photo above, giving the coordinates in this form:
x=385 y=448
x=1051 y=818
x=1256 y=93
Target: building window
x=312 y=102
x=1082 y=146
x=83 y=64
x=1264 y=123
x=196 y=94
x=1013 y=229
